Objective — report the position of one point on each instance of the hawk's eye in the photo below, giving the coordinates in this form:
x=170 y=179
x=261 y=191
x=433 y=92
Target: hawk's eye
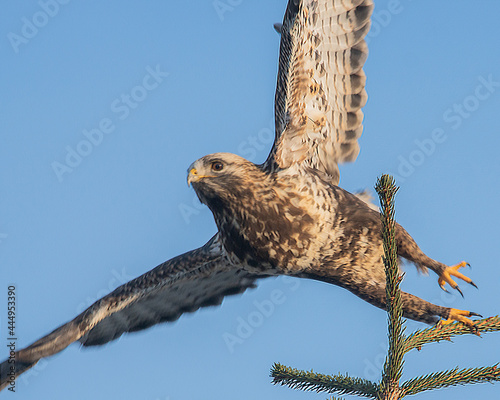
x=217 y=166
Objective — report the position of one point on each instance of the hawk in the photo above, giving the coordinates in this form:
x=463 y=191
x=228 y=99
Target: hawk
x=287 y=216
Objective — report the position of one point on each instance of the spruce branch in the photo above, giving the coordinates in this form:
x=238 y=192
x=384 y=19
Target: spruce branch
x=453 y=377
x=393 y=367
x=390 y=387
x=437 y=333
x=309 y=380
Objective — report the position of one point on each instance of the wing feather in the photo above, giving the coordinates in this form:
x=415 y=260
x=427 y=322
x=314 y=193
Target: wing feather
x=321 y=84
x=199 y=278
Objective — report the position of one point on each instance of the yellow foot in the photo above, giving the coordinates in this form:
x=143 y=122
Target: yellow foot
x=460 y=316
x=445 y=277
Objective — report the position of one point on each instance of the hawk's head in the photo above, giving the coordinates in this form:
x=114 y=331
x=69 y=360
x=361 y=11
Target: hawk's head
x=221 y=178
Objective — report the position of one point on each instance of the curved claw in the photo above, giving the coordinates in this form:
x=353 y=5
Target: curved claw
x=446 y=275
x=455 y=315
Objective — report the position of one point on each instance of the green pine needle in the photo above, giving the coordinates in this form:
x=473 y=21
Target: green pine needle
x=393 y=367
x=453 y=377
x=340 y=384
x=437 y=333
x=399 y=345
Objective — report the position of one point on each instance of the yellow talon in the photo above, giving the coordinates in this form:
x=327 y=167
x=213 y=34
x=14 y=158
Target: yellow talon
x=460 y=316
x=445 y=277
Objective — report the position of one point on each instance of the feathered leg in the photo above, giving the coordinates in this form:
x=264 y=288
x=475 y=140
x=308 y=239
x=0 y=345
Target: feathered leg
x=414 y=307
x=408 y=249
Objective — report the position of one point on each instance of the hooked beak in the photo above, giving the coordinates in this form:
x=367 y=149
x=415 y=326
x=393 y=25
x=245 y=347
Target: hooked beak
x=192 y=176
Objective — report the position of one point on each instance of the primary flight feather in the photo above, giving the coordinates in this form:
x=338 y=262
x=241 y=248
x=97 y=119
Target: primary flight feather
x=286 y=216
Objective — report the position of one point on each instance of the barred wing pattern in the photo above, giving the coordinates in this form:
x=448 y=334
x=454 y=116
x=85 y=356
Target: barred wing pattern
x=199 y=278
x=321 y=84
x=319 y=96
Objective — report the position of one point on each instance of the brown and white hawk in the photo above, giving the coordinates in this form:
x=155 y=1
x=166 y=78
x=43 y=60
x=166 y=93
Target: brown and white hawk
x=286 y=216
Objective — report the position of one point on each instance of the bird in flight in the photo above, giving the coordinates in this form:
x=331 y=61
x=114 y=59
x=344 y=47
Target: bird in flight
x=287 y=216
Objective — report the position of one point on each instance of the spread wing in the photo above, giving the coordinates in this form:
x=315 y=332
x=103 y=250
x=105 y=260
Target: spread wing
x=199 y=278
x=321 y=84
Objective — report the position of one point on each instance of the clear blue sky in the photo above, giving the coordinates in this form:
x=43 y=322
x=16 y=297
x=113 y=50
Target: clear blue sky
x=200 y=82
